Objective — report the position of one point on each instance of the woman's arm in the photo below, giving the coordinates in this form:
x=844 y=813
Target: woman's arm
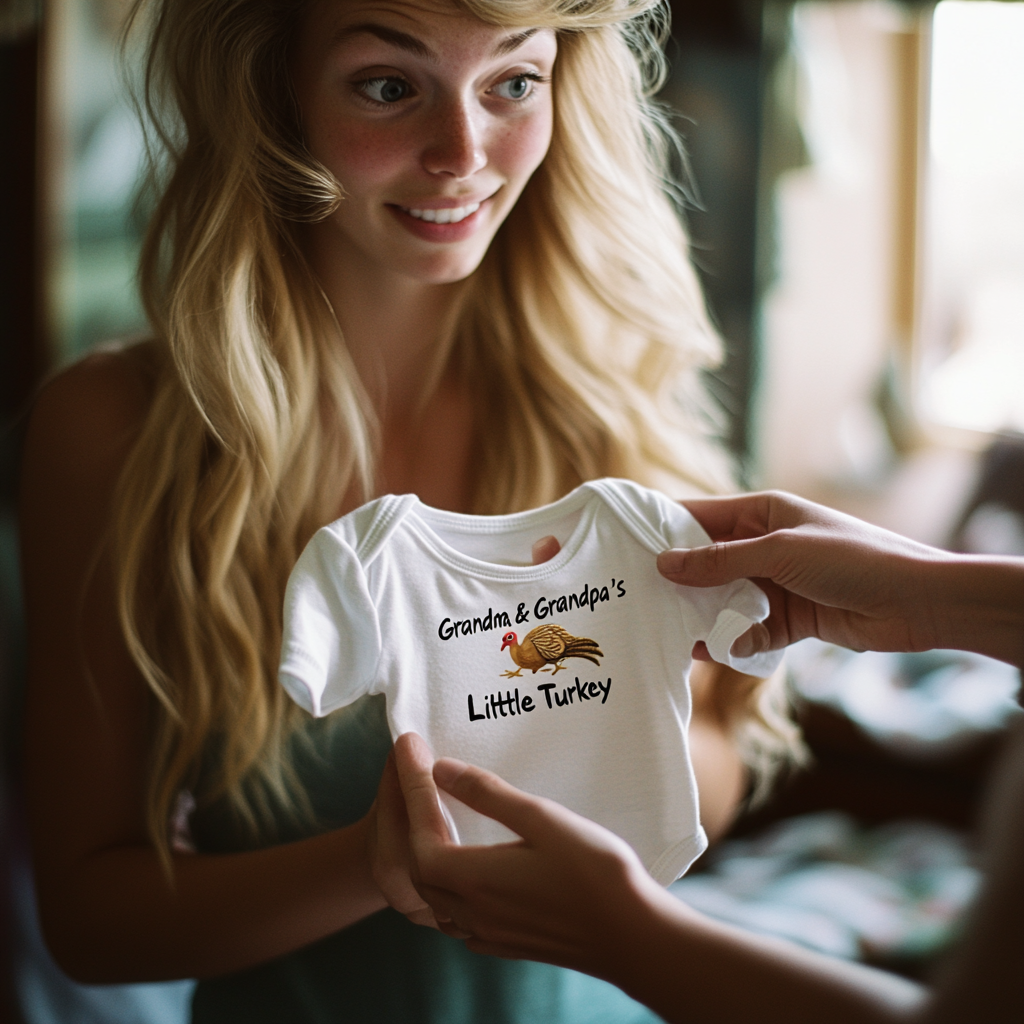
x=109 y=914
x=574 y=894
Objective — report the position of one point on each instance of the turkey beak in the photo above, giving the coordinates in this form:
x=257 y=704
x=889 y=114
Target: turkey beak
x=504 y=644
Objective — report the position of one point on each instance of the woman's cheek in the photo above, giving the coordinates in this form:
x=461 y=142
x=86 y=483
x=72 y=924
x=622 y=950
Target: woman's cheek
x=526 y=146
x=362 y=156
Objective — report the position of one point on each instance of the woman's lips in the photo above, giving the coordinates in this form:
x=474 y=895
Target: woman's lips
x=431 y=231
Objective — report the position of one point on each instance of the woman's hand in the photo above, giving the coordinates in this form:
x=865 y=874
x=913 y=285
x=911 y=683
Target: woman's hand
x=571 y=893
x=831 y=576
x=389 y=852
x=556 y=895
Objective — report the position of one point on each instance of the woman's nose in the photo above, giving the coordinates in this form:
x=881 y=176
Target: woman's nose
x=456 y=141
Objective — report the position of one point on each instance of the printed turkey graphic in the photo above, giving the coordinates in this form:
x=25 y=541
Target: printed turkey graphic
x=548 y=645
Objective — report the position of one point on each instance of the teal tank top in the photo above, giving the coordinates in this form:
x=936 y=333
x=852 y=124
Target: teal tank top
x=384 y=970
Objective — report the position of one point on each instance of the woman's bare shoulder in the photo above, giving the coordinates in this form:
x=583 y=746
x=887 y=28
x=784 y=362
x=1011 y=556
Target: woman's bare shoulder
x=86 y=417
x=83 y=424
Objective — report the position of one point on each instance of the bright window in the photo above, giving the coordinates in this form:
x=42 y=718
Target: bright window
x=972 y=327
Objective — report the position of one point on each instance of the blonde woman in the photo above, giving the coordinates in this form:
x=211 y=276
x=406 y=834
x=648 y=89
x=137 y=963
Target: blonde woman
x=399 y=245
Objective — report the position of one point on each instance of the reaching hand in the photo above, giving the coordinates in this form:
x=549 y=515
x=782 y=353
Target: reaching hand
x=831 y=576
x=573 y=894
x=555 y=895
x=389 y=852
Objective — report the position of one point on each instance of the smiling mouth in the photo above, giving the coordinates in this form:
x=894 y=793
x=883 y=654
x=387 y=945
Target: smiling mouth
x=449 y=216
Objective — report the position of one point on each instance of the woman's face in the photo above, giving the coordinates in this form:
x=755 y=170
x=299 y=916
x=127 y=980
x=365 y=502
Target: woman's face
x=431 y=120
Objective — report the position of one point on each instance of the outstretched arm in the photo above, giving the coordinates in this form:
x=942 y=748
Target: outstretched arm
x=572 y=893
x=834 y=577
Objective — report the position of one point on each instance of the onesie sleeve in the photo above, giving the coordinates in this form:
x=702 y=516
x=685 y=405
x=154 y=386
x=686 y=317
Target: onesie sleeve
x=332 y=639
x=744 y=604
x=717 y=615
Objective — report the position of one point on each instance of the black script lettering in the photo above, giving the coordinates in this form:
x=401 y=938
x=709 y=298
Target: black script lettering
x=473 y=717
x=622 y=588
x=521 y=614
x=583 y=691
x=527 y=702
x=478 y=624
x=589 y=597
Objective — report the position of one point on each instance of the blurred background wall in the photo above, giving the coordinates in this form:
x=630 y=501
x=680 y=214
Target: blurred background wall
x=856 y=204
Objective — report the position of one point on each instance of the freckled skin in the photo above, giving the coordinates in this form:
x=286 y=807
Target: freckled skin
x=456 y=135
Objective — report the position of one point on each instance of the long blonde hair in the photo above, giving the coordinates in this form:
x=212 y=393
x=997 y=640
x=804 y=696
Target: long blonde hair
x=583 y=333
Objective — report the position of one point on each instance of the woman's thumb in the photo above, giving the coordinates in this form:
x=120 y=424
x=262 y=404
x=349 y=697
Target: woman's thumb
x=715 y=564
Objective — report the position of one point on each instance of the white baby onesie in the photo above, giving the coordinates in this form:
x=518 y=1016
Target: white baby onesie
x=568 y=679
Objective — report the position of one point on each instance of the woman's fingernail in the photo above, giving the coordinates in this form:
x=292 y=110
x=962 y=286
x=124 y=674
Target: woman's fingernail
x=545 y=549
x=671 y=561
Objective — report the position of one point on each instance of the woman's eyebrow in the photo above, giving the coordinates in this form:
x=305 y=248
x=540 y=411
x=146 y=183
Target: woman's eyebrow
x=510 y=43
x=401 y=40
x=404 y=41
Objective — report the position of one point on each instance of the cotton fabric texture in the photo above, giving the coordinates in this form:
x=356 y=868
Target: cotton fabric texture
x=568 y=679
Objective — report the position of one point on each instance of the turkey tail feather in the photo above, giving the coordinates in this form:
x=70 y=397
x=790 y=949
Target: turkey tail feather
x=581 y=647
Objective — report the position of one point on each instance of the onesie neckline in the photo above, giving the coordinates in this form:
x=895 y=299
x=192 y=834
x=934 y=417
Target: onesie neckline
x=421 y=517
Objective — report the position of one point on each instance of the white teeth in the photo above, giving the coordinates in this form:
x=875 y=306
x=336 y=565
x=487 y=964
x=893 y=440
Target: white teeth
x=444 y=216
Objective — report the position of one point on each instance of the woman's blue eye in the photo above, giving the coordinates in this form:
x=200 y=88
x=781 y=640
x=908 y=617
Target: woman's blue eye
x=517 y=88
x=385 y=90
